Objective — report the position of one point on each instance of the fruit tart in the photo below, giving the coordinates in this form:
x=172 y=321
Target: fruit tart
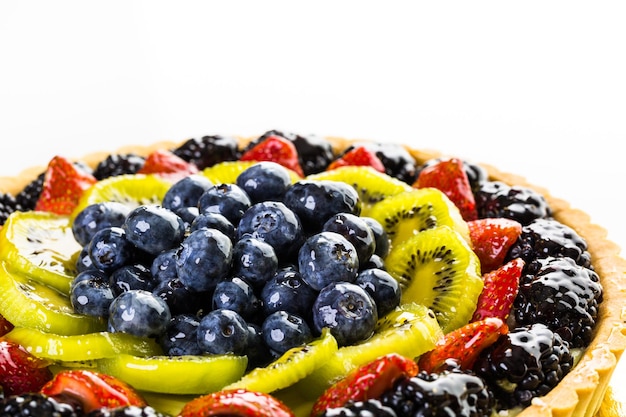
x=295 y=275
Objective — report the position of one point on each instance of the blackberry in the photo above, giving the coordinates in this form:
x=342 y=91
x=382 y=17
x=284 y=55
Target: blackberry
x=118 y=164
x=208 y=150
x=497 y=199
x=525 y=363
x=368 y=408
x=548 y=237
x=35 y=405
x=562 y=295
x=126 y=411
x=449 y=393
x=314 y=152
x=398 y=162
x=7 y=206
x=27 y=198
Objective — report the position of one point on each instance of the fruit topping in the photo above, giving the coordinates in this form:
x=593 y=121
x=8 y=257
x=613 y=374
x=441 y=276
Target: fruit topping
x=497 y=199
x=277 y=149
x=358 y=156
x=499 y=291
x=236 y=403
x=7 y=206
x=126 y=411
x=449 y=176
x=20 y=371
x=168 y=165
x=372 y=407
x=491 y=240
x=35 y=404
x=64 y=184
x=265 y=181
x=396 y=158
x=366 y=382
x=208 y=150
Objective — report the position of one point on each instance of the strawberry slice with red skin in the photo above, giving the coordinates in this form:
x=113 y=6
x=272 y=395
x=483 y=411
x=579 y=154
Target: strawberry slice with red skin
x=92 y=390
x=366 y=382
x=5 y=326
x=491 y=240
x=462 y=346
x=64 y=184
x=167 y=165
x=275 y=149
x=358 y=156
x=236 y=403
x=20 y=371
x=499 y=291
x=449 y=176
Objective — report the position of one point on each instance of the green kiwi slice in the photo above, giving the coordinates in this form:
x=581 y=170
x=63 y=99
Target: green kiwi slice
x=42 y=246
x=84 y=347
x=438 y=268
x=409 y=330
x=48 y=309
x=130 y=189
x=294 y=365
x=406 y=214
x=371 y=185
x=187 y=374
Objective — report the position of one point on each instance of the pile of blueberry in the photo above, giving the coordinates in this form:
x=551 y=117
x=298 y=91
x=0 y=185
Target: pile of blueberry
x=256 y=267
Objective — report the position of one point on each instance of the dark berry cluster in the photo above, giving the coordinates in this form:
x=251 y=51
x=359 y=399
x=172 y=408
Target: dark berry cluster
x=36 y=404
x=497 y=199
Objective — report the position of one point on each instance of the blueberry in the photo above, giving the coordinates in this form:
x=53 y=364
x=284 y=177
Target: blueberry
x=139 y=313
x=254 y=260
x=188 y=215
x=347 y=310
x=265 y=181
x=181 y=299
x=91 y=294
x=274 y=223
x=314 y=202
x=374 y=261
x=229 y=200
x=83 y=261
x=186 y=192
x=236 y=294
x=131 y=277
x=283 y=331
x=257 y=351
x=380 y=236
x=154 y=228
x=382 y=287
x=109 y=249
x=163 y=267
x=357 y=231
x=223 y=331
x=181 y=336
x=214 y=221
x=327 y=257
x=287 y=291
x=96 y=217
x=204 y=259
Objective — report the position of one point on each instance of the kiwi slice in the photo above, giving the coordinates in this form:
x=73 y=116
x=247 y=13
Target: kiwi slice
x=49 y=309
x=290 y=367
x=227 y=172
x=187 y=374
x=438 y=268
x=130 y=189
x=84 y=347
x=40 y=245
x=409 y=330
x=371 y=185
x=406 y=214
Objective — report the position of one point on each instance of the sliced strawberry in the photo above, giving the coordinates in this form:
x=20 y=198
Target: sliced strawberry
x=359 y=156
x=93 y=390
x=499 y=291
x=168 y=165
x=368 y=381
x=491 y=239
x=236 y=403
x=275 y=149
x=20 y=371
x=5 y=326
x=462 y=346
x=449 y=176
x=64 y=184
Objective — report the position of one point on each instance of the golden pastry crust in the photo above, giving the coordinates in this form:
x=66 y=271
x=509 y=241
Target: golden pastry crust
x=582 y=391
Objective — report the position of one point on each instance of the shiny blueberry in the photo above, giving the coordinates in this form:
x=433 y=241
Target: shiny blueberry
x=254 y=260
x=91 y=294
x=186 y=192
x=154 y=229
x=131 y=277
x=109 y=249
x=96 y=217
x=214 y=221
x=229 y=200
x=163 y=266
x=204 y=259
x=139 y=313
x=380 y=236
x=181 y=336
x=236 y=294
x=382 y=287
x=188 y=215
x=265 y=181
x=180 y=299
x=287 y=291
x=347 y=310
x=83 y=261
x=283 y=331
x=257 y=351
x=223 y=331
x=353 y=228
x=327 y=257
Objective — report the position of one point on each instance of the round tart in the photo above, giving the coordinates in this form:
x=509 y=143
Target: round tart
x=580 y=392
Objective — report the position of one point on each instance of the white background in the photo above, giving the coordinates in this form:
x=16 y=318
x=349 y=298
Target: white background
x=535 y=88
